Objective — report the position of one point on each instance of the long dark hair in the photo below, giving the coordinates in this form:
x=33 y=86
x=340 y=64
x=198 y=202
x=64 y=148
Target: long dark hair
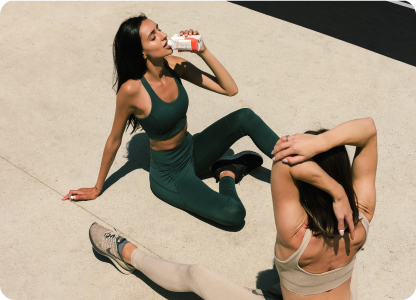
x=129 y=62
x=318 y=203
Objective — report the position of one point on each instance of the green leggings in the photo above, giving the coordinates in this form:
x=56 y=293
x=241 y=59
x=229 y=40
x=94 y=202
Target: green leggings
x=174 y=173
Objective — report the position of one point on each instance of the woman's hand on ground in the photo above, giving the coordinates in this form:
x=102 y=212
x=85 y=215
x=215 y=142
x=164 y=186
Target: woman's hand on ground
x=295 y=148
x=82 y=194
x=192 y=32
x=343 y=213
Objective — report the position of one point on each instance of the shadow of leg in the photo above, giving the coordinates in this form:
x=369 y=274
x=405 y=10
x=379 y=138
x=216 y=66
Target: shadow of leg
x=161 y=291
x=261 y=173
x=215 y=224
x=165 y=293
x=269 y=279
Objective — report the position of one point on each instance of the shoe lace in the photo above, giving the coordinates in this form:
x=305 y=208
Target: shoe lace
x=111 y=236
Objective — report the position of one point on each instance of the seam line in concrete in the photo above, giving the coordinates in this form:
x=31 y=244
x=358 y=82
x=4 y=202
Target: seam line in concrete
x=129 y=239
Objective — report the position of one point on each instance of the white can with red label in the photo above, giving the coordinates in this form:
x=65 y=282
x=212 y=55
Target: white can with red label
x=180 y=42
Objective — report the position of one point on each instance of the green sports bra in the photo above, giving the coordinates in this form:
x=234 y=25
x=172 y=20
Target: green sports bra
x=166 y=118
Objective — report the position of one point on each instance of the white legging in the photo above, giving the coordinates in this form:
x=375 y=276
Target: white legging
x=175 y=277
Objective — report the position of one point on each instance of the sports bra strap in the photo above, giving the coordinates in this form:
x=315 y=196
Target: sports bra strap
x=366 y=226
x=308 y=235
x=364 y=221
x=305 y=242
x=299 y=281
x=148 y=88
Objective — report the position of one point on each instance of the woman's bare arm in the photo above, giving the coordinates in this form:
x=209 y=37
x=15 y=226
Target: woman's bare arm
x=221 y=82
x=301 y=147
x=310 y=172
x=289 y=213
x=364 y=169
x=361 y=133
x=124 y=109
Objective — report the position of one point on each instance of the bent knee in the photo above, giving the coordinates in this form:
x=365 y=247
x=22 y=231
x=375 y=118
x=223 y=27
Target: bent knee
x=245 y=113
x=240 y=119
x=232 y=214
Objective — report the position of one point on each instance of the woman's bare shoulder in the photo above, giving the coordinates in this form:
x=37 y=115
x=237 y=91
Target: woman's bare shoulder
x=177 y=64
x=282 y=179
x=133 y=94
x=131 y=88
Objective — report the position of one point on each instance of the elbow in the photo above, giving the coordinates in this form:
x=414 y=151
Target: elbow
x=371 y=125
x=114 y=142
x=298 y=172
x=233 y=92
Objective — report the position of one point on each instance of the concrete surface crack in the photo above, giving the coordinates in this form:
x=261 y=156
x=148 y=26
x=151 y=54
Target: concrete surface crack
x=128 y=238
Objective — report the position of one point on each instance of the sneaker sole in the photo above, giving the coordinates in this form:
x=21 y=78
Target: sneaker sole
x=254 y=160
x=115 y=261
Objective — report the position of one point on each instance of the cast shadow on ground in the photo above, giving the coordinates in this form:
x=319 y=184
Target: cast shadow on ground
x=265 y=280
x=261 y=173
x=138 y=157
x=158 y=289
x=215 y=224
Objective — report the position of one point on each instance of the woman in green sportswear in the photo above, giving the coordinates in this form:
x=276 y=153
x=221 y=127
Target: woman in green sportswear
x=150 y=94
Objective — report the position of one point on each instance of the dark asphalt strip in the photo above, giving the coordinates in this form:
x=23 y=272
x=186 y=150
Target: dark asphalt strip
x=379 y=26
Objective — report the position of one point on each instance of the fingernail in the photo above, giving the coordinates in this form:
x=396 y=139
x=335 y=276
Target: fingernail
x=274 y=158
x=341 y=232
x=285 y=160
x=72 y=197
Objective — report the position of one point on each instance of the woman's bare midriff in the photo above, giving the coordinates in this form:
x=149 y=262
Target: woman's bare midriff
x=171 y=142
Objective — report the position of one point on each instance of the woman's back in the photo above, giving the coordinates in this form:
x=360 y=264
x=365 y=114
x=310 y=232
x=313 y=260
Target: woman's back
x=319 y=254
x=331 y=259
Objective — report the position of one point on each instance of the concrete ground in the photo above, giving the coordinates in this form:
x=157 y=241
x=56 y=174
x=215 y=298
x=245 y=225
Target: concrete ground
x=57 y=108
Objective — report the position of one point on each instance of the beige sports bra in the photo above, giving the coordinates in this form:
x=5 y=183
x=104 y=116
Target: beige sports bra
x=299 y=281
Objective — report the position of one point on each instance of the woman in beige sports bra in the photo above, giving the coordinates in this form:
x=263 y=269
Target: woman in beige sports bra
x=322 y=209
x=314 y=260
